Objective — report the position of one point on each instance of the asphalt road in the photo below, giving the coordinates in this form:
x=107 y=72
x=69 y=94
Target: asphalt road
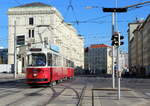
x=17 y=93
x=74 y=92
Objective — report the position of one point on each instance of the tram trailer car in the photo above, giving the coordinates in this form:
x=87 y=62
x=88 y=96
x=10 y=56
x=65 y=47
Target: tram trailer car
x=47 y=67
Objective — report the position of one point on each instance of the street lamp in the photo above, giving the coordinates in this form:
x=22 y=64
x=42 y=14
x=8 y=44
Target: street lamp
x=90 y=7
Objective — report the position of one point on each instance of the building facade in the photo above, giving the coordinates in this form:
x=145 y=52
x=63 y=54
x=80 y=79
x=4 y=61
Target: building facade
x=98 y=59
x=37 y=22
x=140 y=46
x=3 y=56
x=132 y=43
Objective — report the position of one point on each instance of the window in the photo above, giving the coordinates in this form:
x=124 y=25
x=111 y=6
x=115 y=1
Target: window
x=37 y=59
x=71 y=64
x=49 y=59
x=67 y=63
x=54 y=58
x=23 y=62
x=21 y=40
x=64 y=62
x=31 y=33
x=31 y=21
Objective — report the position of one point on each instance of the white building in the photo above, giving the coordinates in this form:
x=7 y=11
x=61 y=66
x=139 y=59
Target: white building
x=37 y=22
x=123 y=61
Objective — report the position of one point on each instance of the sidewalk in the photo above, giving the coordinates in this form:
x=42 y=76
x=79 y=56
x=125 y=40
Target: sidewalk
x=10 y=76
x=109 y=98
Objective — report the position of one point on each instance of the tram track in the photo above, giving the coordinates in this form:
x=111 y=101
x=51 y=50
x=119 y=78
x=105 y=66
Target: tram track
x=10 y=92
x=79 y=103
x=79 y=95
x=20 y=100
x=67 y=93
x=53 y=97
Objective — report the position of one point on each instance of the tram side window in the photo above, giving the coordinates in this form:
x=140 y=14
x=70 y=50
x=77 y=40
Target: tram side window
x=67 y=63
x=29 y=60
x=54 y=62
x=58 y=60
x=49 y=59
x=71 y=64
x=64 y=62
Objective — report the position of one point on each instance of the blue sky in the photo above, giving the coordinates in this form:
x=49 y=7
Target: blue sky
x=94 y=24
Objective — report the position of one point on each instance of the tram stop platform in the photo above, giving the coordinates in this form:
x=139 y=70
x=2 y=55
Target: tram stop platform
x=109 y=97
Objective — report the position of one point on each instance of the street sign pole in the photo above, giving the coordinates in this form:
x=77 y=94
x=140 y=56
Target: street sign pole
x=119 y=71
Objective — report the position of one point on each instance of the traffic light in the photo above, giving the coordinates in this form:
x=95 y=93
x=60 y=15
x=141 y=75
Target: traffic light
x=121 y=38
x=115 y=9
x=115 y=39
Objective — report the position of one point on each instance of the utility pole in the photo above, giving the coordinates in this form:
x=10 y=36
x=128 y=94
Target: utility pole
x=113 y=48
x=15 y=52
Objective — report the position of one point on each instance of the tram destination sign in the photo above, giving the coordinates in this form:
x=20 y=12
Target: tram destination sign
x=54 y=48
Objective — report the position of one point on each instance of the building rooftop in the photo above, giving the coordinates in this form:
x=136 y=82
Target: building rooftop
x=34 y=4
x=99 y=46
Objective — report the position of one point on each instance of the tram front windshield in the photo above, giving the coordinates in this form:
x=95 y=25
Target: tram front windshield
x=37 y=59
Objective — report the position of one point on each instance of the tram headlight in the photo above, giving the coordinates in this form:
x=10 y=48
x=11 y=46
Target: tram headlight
x=35 y=74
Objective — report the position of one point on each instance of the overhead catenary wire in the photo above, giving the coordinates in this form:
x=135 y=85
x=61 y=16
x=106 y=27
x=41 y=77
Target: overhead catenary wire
x=18 y=2
x=91 y=20
x=97 y=18
x=70 y=6
x=100 y=21
x=77 y=21
x=137 y=7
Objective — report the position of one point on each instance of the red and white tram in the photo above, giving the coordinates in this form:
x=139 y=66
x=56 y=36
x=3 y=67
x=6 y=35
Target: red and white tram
x=45 y=67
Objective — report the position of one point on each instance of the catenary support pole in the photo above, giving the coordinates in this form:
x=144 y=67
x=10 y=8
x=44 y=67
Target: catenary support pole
x=15 y=54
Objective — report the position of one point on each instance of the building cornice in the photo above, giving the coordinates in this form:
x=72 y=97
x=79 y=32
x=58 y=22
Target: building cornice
x=30 y=12
x=33 y=11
